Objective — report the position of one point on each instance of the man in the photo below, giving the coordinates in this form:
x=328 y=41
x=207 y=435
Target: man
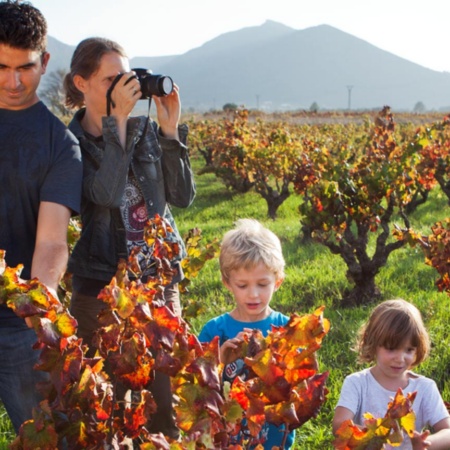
x=40 y=179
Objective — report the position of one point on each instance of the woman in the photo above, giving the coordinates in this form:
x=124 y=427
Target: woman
x=133 y=169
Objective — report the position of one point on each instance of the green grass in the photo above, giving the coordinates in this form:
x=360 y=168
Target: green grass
x=6 y=429
x=315 y=277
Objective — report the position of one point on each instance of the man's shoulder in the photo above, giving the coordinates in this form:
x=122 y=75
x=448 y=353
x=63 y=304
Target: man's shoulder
x=43 y=116
x=56 y=121
x=60 y=131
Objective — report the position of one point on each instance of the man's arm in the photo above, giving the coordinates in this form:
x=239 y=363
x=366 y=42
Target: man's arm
x=51 y=252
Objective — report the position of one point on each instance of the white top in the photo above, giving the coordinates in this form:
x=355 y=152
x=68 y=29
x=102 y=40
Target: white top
x=361 y=393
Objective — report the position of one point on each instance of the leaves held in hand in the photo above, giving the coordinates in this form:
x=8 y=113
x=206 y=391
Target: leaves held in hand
x=377 y=432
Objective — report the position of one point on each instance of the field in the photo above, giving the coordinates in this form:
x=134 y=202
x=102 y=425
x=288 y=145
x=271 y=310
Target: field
x=315 y=277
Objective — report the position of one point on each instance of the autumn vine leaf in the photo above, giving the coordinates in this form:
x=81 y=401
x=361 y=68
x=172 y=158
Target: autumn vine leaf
x=436 y=248
x=39 y=432
x=199 y=390
x=379 y=431
x=197 y=254
x=283 y=386
x=138 y=336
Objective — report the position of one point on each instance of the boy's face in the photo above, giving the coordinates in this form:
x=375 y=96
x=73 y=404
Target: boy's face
x=252 y=290
x=20 y=74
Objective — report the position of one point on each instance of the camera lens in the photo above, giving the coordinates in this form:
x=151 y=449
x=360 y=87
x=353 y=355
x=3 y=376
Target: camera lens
x=166 y=85
x=159 y=85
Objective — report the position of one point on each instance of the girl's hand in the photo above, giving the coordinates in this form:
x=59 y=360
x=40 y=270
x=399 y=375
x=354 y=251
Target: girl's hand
x=419 y=441
x=168 y=111
x=230 y=350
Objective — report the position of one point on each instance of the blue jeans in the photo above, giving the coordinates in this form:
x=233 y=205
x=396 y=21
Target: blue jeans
x=17 y=377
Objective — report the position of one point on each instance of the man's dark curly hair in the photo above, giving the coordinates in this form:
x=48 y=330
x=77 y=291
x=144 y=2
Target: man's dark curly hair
x=22 y=26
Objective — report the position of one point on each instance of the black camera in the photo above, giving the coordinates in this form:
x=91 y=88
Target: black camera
x=159 y=85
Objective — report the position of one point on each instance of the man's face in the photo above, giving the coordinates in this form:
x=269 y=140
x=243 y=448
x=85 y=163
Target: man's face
x=20 y=74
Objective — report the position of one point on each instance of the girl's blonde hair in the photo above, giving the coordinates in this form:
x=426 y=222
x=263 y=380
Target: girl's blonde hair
x=391 y=324
x=248 y=245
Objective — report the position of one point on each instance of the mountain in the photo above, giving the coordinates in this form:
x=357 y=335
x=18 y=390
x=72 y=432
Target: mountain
x=60 y=55
x=276 y=67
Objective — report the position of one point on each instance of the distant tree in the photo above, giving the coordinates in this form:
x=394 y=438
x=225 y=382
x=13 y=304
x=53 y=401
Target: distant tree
x=419 y=107
x=53 y=93
x=230 y=107
x=314 y=107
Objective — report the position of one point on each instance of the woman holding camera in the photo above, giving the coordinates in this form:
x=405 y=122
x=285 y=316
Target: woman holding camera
x=133 y=169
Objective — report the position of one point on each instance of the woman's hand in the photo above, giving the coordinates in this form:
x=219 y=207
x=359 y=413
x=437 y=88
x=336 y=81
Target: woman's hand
x=168 y=111
x=125 y=95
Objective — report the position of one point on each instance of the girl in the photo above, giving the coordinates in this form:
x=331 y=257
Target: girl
x=395 y=339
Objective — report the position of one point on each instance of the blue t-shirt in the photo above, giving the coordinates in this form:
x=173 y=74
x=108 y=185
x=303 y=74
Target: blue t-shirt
x=40 y=161
x=226 y=328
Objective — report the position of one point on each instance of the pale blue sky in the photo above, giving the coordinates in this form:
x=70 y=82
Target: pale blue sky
x=417 y=30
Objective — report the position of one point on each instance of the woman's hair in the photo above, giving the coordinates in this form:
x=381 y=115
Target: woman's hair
x=392 y=324
x=85 y=62
x=22 y=26
x=248 y=245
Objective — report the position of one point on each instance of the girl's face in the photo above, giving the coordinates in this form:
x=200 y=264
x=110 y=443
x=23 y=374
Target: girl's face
x=95 y=87
x=393 y=364
x=252 y=290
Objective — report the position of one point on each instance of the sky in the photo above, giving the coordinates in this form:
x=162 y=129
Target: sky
x=417 y=30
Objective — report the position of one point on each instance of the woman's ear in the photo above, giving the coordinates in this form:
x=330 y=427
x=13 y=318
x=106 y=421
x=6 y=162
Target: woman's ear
x=79 y=82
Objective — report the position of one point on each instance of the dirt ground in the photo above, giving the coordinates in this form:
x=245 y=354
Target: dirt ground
x=330 y=117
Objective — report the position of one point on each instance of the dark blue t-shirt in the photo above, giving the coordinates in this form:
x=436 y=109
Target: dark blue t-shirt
x=39 y=161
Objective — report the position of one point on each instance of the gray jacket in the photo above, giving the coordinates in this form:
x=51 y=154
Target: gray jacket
x=162 y=169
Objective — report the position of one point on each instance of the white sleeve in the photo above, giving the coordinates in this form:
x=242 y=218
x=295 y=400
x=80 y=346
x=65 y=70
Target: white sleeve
x=434 y=407
x=350 y=396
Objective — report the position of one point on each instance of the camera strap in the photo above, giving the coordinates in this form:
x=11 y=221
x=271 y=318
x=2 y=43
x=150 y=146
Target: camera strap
x=109 y=101
x=147 y=122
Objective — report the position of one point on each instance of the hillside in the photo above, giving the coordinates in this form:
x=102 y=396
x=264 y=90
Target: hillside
x=275 y=67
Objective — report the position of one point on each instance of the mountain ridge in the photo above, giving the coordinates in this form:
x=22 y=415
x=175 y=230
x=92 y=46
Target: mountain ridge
x=275 y=67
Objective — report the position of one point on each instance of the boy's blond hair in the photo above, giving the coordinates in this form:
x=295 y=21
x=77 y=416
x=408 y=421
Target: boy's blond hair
x=249 y=244
x=390 y=325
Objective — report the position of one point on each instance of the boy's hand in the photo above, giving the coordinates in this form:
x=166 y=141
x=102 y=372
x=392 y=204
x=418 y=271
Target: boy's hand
x=419 y=441
x=231 y=350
